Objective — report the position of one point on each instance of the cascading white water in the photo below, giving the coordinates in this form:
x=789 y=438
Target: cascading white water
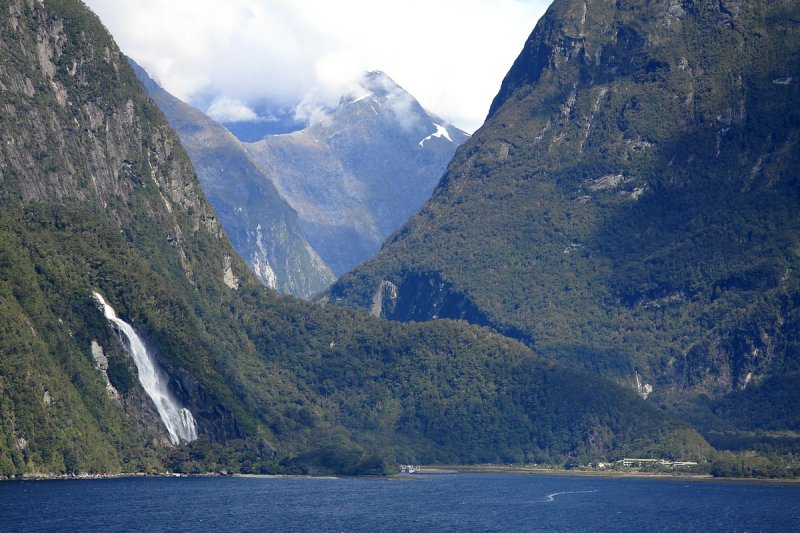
x=178 y=420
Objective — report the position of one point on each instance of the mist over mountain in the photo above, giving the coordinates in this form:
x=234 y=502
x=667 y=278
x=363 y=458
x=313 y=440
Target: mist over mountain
x=263 y=228
x=109 y=249
x=630 y=207
x=356 y=174
x=269 y=121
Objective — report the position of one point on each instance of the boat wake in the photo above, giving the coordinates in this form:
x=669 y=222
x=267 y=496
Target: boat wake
x=552 y=497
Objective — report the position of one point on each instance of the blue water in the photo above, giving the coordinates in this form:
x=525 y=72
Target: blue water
x=464 y=502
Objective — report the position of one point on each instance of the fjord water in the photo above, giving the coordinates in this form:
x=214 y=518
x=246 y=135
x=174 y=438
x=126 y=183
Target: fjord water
x=463 y=502
x=179 y=421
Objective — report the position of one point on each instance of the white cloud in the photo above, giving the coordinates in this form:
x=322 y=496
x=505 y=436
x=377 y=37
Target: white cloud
x=224 y=109
x=449 y=54
x=401 y=105
x=314 y=106
x=320 y=101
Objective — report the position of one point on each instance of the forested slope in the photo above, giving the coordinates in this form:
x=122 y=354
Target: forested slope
x=97 y=194
x=630 y=207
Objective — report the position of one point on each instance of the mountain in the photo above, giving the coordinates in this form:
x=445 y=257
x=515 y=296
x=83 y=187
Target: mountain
x=262 y=227
x=356 y=175
x=630 y=207
x=100 y=208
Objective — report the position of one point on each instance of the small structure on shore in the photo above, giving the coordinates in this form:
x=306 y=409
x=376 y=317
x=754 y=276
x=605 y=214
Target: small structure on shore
x=638 y=462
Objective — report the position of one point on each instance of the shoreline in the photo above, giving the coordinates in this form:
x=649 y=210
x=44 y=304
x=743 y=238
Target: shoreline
x=424 y=470
x=538 y=471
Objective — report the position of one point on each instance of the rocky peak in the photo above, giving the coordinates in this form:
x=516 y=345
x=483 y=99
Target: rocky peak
x=614 y=39
x=357 y=175
x=391 y=111
x=376 y=85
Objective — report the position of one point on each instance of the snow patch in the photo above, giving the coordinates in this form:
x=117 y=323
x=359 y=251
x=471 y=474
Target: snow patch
x=441 y=131
x=362 y=97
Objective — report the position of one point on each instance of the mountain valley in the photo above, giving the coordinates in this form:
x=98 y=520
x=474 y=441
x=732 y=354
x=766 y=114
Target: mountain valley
x=263 y=228
x=100 y=208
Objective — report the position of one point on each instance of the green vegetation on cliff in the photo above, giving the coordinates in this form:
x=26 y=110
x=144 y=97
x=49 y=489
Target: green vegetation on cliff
x=631 y=207
x=97 y=194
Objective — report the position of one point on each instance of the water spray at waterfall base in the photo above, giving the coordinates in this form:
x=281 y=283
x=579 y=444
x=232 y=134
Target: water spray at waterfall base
x=178 y=420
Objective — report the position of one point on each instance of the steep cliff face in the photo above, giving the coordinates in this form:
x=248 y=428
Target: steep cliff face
x=63 y=124
x=95 y=186
x=631 y=204
x=97 y=195
x=356 y=176
x=262 y=227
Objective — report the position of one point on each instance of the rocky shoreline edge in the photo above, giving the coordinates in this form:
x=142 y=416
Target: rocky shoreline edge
x=419 y=473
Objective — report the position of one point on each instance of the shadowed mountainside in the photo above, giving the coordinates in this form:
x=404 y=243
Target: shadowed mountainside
x=630 y=206
x=262 y=227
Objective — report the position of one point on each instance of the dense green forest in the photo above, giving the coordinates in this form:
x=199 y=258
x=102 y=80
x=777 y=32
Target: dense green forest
x=321 y=380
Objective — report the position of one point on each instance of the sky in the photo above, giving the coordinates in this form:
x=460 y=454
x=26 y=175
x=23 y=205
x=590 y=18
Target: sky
x=237 y=59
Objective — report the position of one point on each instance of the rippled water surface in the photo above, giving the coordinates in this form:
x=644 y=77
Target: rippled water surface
x=463 y=502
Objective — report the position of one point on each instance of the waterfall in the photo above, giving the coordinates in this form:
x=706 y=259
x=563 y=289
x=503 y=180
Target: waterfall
x=178 y=420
